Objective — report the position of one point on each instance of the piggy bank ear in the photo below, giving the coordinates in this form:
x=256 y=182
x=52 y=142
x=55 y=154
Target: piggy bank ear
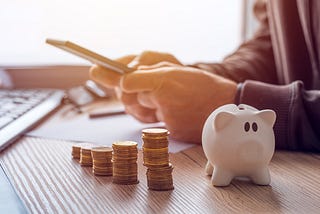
x=222 y=119
x=268 y=116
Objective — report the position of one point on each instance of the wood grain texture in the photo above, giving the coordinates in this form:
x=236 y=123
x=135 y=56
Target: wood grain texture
x=49 y=181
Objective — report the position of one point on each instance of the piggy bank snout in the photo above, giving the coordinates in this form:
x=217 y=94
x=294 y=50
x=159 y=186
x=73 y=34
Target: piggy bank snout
x=252 y=151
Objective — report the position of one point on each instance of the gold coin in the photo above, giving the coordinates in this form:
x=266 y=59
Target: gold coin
x=103 y=167
x=168 y=167
x=161 y=164
x=154 y=145
x=123 y=158
x=155 y=131
x=125 y=153
x=85 y=164
x=156 y=150
x=161 y=188
x=160 y=183
x=102 y=159
x=105 y=160
x=124 y=148
x=79 y=145
x=155 y=156
x=125 y=144
x=102 y=149
x=102 y=173
x=102 y=170
x=107 y=164
x=127 y=171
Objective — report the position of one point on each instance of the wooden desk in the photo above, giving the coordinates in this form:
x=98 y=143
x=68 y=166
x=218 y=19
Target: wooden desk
x=49 y=181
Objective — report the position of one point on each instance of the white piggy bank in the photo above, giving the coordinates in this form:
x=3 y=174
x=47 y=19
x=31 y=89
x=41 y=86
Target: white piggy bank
x=239 y=141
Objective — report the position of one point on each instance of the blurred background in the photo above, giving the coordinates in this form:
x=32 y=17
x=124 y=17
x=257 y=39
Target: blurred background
x=204 y=30
x=193 y=31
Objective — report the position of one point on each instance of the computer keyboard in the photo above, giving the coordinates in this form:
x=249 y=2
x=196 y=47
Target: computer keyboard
x=20 y=109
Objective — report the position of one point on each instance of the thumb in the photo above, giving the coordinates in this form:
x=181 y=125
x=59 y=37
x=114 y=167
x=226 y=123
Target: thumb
x=140 y=80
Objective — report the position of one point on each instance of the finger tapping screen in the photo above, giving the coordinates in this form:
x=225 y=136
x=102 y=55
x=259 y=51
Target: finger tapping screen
x=211 y=29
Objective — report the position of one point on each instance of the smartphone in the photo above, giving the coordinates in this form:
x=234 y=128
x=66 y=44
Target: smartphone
x=89 y=55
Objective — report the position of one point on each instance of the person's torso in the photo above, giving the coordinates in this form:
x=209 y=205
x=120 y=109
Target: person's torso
x=294 y=28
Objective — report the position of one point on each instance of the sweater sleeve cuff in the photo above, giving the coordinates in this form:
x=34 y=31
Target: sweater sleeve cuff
x=237 y=97
x=266 y=96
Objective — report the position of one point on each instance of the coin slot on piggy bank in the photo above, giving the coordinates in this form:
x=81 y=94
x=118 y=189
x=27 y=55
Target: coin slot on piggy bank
x=239 y=141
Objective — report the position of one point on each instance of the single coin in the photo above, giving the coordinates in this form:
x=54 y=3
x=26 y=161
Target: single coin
x=155 y=131
x=125 y=144
x=101 y=149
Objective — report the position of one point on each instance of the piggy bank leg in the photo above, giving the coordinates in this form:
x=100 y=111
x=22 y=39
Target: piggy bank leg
x=221 y=177
x=261 y=177
x=209 y=168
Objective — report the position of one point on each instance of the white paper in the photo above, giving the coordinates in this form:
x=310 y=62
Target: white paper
x=69 y=125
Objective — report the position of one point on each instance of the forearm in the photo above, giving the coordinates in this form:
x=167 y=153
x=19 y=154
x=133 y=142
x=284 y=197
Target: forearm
x=297 y=126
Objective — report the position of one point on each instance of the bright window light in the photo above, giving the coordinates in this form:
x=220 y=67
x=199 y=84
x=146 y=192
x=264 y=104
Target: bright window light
x=191 y=30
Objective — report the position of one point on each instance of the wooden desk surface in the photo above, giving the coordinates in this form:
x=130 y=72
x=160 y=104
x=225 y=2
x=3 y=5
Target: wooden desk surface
x=49 y=181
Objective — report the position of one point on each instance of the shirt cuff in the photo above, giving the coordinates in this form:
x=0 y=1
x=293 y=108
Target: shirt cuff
x=267 y=96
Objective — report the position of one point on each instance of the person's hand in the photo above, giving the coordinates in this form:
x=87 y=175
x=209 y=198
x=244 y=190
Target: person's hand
x=182 y=97
x=111 y=79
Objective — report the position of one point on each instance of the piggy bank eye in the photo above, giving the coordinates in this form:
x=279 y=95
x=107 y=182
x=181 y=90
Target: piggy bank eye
x=254 y=127
x=247 y=126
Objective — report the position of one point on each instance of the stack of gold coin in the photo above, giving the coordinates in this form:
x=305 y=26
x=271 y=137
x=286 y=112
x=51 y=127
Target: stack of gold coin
x=85 y=155
x=102 y=157
x=125 y=168
x=160 y=178
x=76 y=149
x=156 y=158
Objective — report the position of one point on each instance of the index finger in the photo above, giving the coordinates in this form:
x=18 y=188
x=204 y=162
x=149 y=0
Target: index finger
x=141 y=80
x=105 y=77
